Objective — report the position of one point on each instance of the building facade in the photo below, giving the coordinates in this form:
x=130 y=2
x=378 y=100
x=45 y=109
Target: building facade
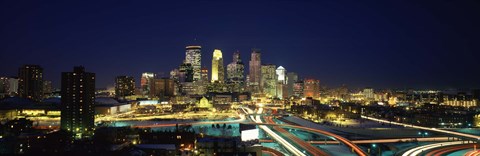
x=311 y=88
x=255 y=71
x=235 y=73
x=124 y=86
x=145 y=82
x=218 y=71
x=78 y=99
x=193 y=56
x=30 y=82
x=269 y=80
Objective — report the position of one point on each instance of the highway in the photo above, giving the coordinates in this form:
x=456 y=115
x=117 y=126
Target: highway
x=448 y=149
x=417 y=150
x=275 y=136
x=425 y=128
x=305 y=145
x=386 y=140
x=473 y=153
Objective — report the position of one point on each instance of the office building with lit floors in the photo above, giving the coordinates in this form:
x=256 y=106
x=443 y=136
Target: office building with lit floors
x=78 y=98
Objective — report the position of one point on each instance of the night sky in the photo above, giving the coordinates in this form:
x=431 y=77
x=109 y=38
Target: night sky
x=385 y=44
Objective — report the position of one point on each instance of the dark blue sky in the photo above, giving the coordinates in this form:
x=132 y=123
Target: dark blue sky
x=388 y=44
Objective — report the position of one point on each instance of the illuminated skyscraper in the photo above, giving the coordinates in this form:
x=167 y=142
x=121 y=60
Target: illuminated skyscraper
x=78 y=98
x=30 y=82
x=145 y=82
x=281 y=75
x=124 y=86
x=193 y=56
x=235 y=73
x=218 y=70
x=255 y=72
x=269 y=80
x=281 y=82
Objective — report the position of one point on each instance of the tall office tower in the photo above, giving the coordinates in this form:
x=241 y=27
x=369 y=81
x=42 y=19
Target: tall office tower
x=269 y=80
x=281 y=82
x=31 y=82
x=145 y=82
x=255 y=72
x=124 y=86
x=47 y=88
x=185 y=72
x=235 y=73
x=311 y=88
x=291 y=79
x=281 y=75
x=193 y=56
x=218 y=71
x=78 y=99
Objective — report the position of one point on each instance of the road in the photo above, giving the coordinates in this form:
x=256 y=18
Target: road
x=305 y=145
x=386 y=140
x=417 y=150
x=275 y=136
x=449 y=149
x=425 y=128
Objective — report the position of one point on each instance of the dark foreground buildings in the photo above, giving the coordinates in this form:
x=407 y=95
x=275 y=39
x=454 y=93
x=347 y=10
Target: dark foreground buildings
x=78 y=98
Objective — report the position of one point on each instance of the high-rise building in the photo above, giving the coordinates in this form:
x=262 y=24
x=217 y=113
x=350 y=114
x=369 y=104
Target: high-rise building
x=193 y=56
x=235 y=73
x=291 y=79
x=146 y=82
x=124 y=86
x=269 y=80
x=281 y=75
x=78 y=98
x=218 y=71
x=311 y=88
x=47 y=88
x=31 y=82
x=255 y=71
x=281 y=82
x=186 y=72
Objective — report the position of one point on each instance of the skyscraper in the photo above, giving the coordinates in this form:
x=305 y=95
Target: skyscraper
x=145 y=82
x=218 y=71
x=269 y=80
x=281 y=82
x=254 y=76
x=291 y=79
x=281 y=75
x=193 y=56
x=78 y=98
x=124 y=86
x=235 y=73
x=31 y=82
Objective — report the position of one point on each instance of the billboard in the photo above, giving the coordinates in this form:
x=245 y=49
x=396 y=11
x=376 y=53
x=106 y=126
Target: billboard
x=249 y=135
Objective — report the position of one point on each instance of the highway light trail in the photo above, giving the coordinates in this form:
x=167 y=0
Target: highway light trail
x=417 y=150
x=275 y=136
x=425 y=128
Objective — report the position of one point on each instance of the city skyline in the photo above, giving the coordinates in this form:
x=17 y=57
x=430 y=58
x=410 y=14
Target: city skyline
x=256 y=78
x=420 y=51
